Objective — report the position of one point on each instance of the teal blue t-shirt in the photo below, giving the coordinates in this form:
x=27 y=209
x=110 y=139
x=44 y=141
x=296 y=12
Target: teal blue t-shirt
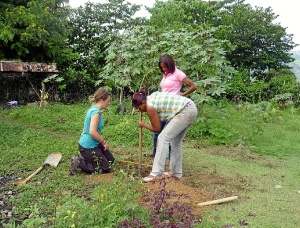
x=86 y=140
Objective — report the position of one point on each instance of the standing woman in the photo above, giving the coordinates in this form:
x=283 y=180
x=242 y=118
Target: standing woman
x=179 y=112
x=94 y=154
x=172 y=82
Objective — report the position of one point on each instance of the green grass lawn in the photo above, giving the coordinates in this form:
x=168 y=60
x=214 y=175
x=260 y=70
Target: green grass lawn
x=256 y=152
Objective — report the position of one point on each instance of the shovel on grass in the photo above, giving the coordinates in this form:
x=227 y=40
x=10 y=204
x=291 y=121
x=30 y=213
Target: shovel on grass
x=52 y=160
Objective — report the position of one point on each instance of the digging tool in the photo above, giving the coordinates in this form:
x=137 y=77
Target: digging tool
x=52 y=160
x=217 y=201
x=140 y=148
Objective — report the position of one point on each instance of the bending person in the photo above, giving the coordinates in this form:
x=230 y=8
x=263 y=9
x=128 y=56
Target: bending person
x=94 y=154
x=180 y=112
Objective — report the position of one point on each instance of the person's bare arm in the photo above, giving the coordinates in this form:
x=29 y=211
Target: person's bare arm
x=154 y=119
x=190 y=84
x=94 y=131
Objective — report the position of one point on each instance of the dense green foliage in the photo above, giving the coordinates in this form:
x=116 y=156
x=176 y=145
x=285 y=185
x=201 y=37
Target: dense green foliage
x=34 y=30
x=104 y=43
x=260 y=44
x=94 y=26
x=174 y=14
x=255 y=41
x=276 y=83
x=132 y=60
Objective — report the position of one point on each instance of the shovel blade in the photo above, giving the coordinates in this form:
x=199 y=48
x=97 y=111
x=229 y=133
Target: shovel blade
x=53 y=159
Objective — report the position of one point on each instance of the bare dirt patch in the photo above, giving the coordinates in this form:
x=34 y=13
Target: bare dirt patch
x=197 y=187
x=194 y=195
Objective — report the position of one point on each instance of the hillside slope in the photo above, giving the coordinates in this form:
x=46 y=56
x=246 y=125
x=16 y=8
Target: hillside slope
x=296 y=64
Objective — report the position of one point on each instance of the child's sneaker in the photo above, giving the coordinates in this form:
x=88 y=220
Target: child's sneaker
x=74 y=165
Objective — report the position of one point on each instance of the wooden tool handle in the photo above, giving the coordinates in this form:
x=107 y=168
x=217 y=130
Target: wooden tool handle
x=35 y=172
x=140 y=146
x=217 y=201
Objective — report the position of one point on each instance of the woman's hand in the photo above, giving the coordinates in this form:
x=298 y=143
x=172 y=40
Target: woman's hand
x=106 y=146
x=141 y=123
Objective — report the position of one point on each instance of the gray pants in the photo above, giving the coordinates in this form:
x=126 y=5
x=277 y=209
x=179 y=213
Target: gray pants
x=173 y=133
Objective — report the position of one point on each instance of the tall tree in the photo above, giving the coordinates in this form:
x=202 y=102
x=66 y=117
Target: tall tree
x=132 y=60
x=260 y=44
x=174 y=14
x=94 y=26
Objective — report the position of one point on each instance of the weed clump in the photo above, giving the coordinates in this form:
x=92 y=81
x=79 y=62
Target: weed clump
x=165 y=209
